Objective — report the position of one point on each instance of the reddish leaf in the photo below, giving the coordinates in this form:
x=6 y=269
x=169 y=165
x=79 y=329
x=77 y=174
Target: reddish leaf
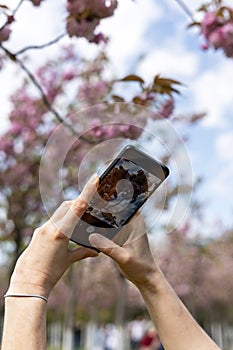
x=193 y=24
x=117 y=98
x=164 y=85
x=203 y=8
x=132 y=77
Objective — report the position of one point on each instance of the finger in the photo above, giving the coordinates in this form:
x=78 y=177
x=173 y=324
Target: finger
x=80 y=204
x=82 y=253
x=108 y=247
x=68 y=214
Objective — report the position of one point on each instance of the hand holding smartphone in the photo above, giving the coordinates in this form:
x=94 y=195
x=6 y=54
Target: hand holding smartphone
x=123 y=188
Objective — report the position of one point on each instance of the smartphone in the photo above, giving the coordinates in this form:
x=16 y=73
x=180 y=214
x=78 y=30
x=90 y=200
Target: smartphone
x=123 y=188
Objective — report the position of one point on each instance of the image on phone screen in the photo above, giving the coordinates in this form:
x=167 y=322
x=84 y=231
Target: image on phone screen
x=122 y=190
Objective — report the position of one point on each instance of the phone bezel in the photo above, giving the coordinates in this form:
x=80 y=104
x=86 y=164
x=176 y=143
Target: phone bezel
x=142 y=160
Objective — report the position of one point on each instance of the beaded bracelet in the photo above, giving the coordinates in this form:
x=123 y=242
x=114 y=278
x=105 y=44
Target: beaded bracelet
x=27 y=296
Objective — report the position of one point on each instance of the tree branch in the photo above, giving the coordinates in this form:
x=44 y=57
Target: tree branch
x=33 y=79
x=13 y=14
x=185 y=9
x=42 y=46
x=17 y=7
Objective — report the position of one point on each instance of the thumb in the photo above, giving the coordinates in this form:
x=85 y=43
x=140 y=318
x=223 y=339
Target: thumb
x=107 y=247
x=81 y=253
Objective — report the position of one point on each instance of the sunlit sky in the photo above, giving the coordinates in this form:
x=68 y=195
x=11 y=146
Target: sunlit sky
x=150 y=37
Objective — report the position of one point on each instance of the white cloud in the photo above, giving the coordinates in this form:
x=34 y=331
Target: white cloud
x=213 y=93
x=179 y=63
x=221 y=182
x=224 y=148
x=127 y=29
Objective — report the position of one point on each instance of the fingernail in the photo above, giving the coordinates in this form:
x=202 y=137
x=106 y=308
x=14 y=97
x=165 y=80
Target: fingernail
x=93 y=179
x=95 y=239
x=100 y=242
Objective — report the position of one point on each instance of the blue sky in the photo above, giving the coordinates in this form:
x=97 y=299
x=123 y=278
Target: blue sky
x=160 y=32
x=157 y=31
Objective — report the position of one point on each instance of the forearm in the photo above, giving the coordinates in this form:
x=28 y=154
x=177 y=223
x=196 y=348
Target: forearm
x=24 y=324
x=176 y=327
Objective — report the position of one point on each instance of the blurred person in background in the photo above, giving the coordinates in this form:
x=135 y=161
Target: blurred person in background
x=150 y=340
x=136 y=332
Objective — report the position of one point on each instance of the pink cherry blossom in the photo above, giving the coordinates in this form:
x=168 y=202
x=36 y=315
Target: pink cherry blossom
x=227 y=32
x=209 y=24
x=167 y=107
x=85 y=16
x=217 y=30
x=16 y=128
x=36 y=2
x=82 y=28
x=5 y=33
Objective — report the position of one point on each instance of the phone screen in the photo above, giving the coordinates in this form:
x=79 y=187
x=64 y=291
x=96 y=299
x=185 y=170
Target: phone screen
x=123 y=188
x=120 y=193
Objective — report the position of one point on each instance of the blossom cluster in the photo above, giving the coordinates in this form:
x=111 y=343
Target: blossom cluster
x=217 y=29
x=36 y=2
x=5 y=33
x=85 y=16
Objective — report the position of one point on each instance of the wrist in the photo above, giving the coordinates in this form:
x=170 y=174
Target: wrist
x=24 y=281
x=154 y=284
x=20 y=287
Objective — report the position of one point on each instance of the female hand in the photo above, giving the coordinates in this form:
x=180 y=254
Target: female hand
x=134 y=258
x=47 y=257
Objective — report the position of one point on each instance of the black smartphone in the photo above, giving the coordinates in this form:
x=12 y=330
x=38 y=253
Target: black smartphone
x=123 y=188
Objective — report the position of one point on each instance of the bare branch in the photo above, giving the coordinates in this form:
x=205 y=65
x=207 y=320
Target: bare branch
x=13 y=13
x=43 y=95
x=185 y=8
x=17 y=7
x=42 y=46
